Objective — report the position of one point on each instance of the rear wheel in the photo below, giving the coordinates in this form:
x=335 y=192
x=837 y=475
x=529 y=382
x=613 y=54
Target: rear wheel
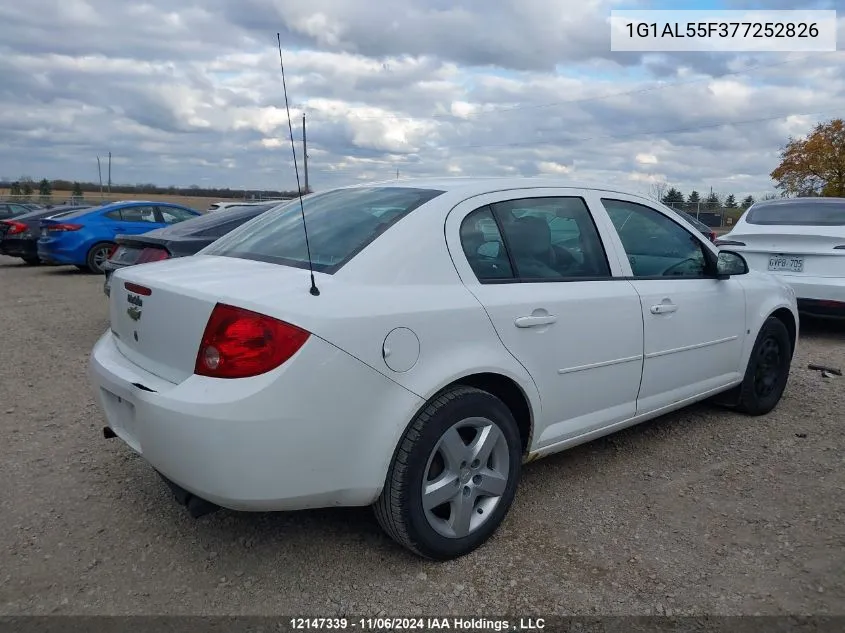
x=97 y=256
x=454 y=475
x=768 y=369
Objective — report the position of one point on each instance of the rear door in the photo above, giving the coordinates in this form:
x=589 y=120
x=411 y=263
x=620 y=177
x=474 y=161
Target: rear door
x=535 y=261
x=133 y=220
x=694 y=324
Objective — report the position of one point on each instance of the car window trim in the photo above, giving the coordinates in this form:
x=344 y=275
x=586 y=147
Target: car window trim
x=546 y=280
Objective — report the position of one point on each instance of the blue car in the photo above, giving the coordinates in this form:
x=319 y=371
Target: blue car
x=85 y=238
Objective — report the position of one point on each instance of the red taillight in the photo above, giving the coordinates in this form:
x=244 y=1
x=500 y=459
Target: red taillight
x=152 y=255
x=63 y=227
x=712 y=236
x=138 y=290
x=15 y=227
x=112 y=251
x=239 y=343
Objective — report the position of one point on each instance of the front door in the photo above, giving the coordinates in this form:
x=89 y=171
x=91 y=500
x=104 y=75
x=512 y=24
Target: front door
x=536 y=263
x=694 y=324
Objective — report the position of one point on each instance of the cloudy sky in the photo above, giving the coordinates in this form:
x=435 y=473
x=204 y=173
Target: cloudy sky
x=190 y=93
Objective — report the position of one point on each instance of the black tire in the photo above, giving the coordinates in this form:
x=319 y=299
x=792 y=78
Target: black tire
x=400 y=510
x=768 y=369
x=93 y=261
x=31 y=261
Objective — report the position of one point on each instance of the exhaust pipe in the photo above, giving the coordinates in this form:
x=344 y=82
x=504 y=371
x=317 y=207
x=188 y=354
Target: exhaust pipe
x=197 y=506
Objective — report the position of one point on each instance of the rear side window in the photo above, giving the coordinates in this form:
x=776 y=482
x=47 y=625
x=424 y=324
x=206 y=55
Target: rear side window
x=534 y=239
x=552 y=238
x=798 y=213
x=483 y=246
x=172 y=215
x=340 y=223
x=138 y=214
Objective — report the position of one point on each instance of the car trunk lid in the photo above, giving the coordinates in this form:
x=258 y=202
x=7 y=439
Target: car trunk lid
x=159 y=311
x=792 y=250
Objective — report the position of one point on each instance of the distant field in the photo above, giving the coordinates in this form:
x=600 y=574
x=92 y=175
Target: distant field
x=195 y=202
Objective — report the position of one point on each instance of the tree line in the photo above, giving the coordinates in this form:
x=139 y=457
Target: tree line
x=27 y=186
x=694 y=202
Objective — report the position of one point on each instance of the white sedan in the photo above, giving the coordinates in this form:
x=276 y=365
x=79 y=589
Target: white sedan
x=454 y=330
x=802 y=241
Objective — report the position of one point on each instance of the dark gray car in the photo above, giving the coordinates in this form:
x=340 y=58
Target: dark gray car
x=179 y=240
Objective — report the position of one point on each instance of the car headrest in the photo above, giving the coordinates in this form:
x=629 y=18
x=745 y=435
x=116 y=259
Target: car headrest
x=530 y=235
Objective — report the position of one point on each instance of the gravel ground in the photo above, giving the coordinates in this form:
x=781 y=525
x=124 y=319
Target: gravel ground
x=699 y=512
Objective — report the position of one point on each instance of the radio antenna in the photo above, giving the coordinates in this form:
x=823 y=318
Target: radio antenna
x=314 y=290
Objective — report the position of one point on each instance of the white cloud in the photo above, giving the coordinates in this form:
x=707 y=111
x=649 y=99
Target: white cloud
x=646 y=159
x=550 y=167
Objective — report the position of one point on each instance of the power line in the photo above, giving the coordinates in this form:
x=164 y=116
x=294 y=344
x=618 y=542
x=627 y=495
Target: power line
x=634 y=91
x=562 y=140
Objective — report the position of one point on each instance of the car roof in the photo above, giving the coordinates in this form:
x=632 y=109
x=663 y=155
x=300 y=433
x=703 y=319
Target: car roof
x=480 y=185
x=123 y=203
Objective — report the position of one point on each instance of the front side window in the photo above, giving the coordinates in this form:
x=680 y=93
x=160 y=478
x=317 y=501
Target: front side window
x=340 y=224
x=656 y=246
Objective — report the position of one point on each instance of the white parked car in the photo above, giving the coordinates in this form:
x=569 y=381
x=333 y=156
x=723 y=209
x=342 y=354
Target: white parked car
x=802 y=241
x=459 y=328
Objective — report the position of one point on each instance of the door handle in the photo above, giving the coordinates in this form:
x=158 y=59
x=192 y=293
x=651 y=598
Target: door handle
x=664 y=308
x=535 y=321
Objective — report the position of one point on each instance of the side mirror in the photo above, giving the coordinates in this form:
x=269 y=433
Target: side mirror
x=729 y=264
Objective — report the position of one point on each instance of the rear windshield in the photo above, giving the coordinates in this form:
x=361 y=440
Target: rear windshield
x=207 y=221
x=340 y=224
x=817 y=213
x=78 y=213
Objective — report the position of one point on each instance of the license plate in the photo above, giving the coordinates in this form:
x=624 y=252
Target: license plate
x=786 y=263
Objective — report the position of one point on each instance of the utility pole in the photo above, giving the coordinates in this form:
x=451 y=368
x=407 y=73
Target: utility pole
x=109 y=174
x=305 y=153
x=100 y=174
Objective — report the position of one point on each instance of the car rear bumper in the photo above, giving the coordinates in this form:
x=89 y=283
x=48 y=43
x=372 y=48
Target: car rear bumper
x=52 y=255
x=19 y=247
x=822 y=307
x=816 y=288
x=319 y=431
